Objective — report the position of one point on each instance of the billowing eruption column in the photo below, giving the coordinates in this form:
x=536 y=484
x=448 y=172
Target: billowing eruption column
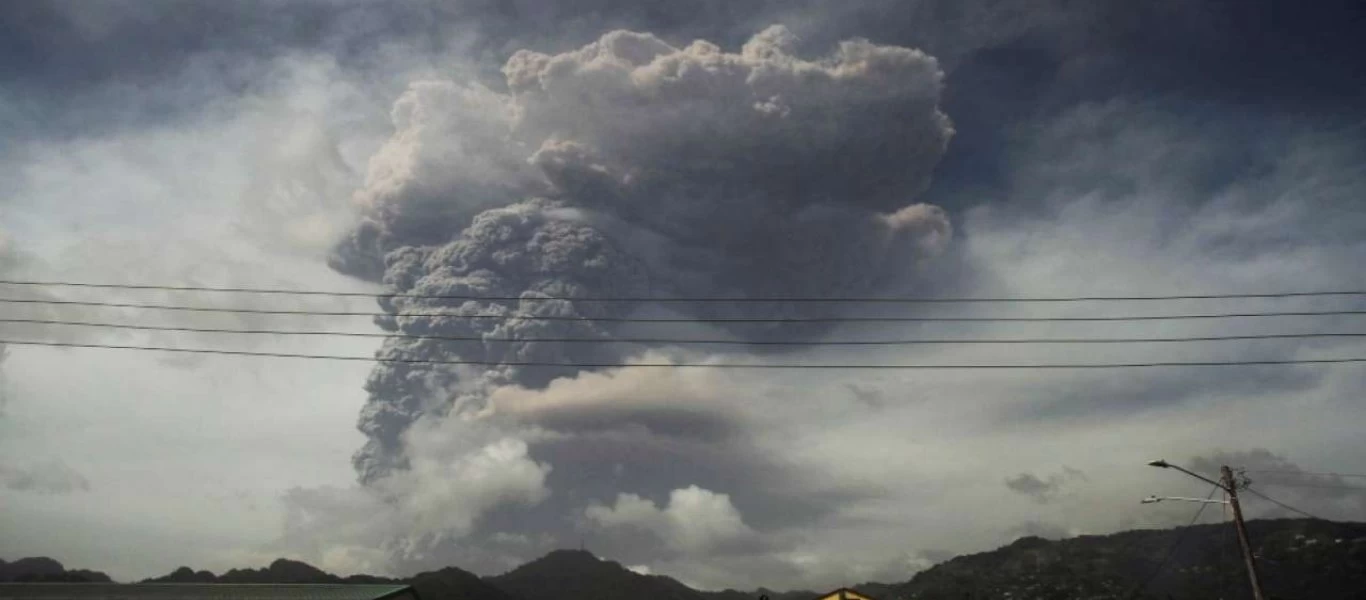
x=631 y=167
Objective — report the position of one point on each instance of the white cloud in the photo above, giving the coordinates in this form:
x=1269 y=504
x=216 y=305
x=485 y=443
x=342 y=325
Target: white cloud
x=196 y=199
x=457 y=473
x=693 y=520
x=446 y=488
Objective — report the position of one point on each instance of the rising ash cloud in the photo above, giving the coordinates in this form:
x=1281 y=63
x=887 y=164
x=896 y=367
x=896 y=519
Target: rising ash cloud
x=1098 y=147
x=632 y=167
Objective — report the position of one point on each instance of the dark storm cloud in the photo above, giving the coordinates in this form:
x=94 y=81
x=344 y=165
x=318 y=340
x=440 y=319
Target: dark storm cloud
x=1007 y=61
x=1030 y=485
x=1326 y=495
x=1012 y=62
x=1043 y=490
x=77 y=68
x=1196 y=46
x=42 y=477
x=871 y=397
x=1264 y=49
x=69 y=45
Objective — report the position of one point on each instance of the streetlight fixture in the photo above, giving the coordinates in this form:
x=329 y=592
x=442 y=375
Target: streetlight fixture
x=1156 y=499
x=1162 y=464
x=1229 y=485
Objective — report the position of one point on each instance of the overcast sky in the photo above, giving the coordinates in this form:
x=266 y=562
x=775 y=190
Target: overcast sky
x=685 y=148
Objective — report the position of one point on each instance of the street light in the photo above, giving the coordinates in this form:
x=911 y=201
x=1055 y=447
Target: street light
x=1162 y=464
x=1156 y=499
x=1230 y=487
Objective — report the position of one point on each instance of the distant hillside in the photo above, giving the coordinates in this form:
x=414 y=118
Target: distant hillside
x=44 y=569
x=759 y=593
x=1300 y=559
x=280 y=571
x=578 y=575
x=449 y=583
x=872 y=590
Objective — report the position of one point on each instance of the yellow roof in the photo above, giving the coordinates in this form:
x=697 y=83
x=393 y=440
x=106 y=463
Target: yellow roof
x=844 y=594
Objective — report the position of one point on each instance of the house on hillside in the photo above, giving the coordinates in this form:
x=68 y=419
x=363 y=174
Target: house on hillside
x=844 y=594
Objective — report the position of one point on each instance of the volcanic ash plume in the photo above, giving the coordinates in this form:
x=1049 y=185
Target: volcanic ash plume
x=631 y=167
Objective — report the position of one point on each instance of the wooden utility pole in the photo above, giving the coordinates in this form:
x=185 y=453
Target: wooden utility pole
x=1230 y=485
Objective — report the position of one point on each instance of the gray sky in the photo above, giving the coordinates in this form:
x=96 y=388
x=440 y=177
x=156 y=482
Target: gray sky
x=965 y=148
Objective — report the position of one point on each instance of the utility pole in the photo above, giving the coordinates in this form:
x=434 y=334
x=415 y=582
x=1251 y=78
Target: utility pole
x=1231 y=486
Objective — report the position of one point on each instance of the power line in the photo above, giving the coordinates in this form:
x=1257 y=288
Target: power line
x=1294 y=472
x=865 y=299
x=1171 y=550
x=853 y=366
x=1314 y=486
x=1282 y=504
x=657 y=341
x=892 y=319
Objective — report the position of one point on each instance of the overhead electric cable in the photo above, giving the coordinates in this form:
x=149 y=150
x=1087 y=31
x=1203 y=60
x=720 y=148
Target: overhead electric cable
x=865 y=299
x=1282 y=504
x=1176 y=543
x=1293 y=472
x=1316 y=486
x=881 y=319
x=852 y=366
x=658 y=341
